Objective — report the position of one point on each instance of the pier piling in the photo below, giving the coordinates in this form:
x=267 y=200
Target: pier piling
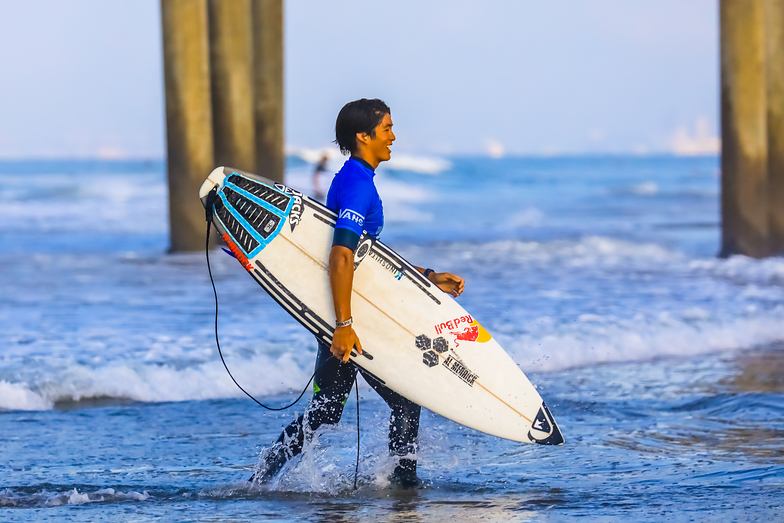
x=744 y=160
x=231 y=73
x=774 y=36
x=268 y=65
x=189 y=145
x=223 y=75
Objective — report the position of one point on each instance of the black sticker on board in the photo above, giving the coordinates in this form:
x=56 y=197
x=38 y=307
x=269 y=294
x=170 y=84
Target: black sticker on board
x=540 y=422
x=430 y=358
x=422 y=342
x=440 y=345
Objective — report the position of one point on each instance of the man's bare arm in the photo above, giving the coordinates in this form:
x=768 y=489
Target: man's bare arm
x=341 y=281
x=446 y=281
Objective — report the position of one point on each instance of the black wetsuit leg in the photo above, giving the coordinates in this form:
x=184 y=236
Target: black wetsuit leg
x=332 y=386
x=403 y=431
x=404 y=420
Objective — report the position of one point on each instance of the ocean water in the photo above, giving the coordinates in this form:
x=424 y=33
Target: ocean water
x=663 y=365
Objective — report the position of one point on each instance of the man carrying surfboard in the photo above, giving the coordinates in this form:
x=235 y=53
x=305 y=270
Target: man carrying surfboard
x=363 y=130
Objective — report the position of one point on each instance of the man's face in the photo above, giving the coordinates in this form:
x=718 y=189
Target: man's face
x=379 y=144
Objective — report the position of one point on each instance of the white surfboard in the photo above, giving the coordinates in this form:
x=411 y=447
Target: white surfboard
x=417 y=340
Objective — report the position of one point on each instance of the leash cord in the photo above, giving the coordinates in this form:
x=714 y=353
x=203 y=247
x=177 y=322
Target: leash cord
x=356 y=468
x=209 y=210
x=217 y=341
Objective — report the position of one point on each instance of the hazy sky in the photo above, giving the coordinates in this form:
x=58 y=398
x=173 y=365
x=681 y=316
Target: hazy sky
x=84 y=77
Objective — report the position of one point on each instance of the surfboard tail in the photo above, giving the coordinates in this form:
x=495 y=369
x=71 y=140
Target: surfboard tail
x=544 y=430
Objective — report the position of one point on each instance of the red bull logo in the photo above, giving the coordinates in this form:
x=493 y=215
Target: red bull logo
x=453 y=324
x=464 y=328
x=469 y=334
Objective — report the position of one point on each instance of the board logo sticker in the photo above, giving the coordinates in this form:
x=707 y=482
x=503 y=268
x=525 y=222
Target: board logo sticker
x=464 y=328
x=474 y=332
x=422 y=342
x=396 y=273
x=439 y=344
x=460 y=370
x=544 y=431
x=453 y=324
x=541 y=423
x=363 y=248
x=295 y=216
x=237 y=252
x=430 y=358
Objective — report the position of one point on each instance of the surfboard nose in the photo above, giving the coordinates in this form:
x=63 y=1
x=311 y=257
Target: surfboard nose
x=544 y=430
x=216 y=177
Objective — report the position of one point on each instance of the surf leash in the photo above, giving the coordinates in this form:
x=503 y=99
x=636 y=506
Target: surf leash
x=210 y=203
x=356 y=468
x=211 y=197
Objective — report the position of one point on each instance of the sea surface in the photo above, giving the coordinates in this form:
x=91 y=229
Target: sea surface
x=663 y=365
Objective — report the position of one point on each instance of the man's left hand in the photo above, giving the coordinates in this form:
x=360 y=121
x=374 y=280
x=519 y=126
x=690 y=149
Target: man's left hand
x=449 y=283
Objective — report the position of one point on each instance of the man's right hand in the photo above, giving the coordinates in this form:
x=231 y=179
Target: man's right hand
x=343 y=341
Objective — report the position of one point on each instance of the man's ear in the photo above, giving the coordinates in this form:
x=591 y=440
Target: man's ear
x=364 y=138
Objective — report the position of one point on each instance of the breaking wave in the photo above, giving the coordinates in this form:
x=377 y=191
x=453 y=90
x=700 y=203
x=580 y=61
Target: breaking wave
x=31 y=498
x=260 y=375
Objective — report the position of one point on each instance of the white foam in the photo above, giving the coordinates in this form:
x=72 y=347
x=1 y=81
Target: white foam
x=741 y=269
x=591 y=339
x=152 y=382
x=588 y=251
x=573 y=303
x=18 y=396
x=314 y=155
x=398 y=162
x=74 y=498
x=646 y=189
x=400 y=201
x=598 y=340
x=674 y=306
x=417 y=164
x=88 y=204
x=327 y=464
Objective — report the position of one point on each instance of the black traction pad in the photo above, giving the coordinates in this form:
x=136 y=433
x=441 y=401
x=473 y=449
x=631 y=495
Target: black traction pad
x=264 y=192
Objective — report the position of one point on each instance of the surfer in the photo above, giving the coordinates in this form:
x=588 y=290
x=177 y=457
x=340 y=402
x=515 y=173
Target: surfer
x=363 y=130
x=321 y=167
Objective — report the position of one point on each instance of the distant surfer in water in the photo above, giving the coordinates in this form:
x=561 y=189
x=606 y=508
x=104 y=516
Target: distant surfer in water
x=321 y=167
x=364 y=131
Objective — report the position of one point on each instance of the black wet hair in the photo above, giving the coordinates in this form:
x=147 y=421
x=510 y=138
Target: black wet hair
x=359 y=116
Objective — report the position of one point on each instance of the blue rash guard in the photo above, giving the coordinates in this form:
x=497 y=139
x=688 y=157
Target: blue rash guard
x=354 y=197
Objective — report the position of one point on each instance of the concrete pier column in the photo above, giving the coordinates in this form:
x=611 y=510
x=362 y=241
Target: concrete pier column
x=774 y=36
x=744 y=162
x=268 y=60
x=188 y=118
x=231 y=68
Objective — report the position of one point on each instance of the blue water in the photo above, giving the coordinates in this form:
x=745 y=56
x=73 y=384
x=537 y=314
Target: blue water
x=661 y=364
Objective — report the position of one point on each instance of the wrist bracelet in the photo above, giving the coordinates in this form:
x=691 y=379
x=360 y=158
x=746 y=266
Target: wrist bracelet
x=344 y=323
x=427 y=273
